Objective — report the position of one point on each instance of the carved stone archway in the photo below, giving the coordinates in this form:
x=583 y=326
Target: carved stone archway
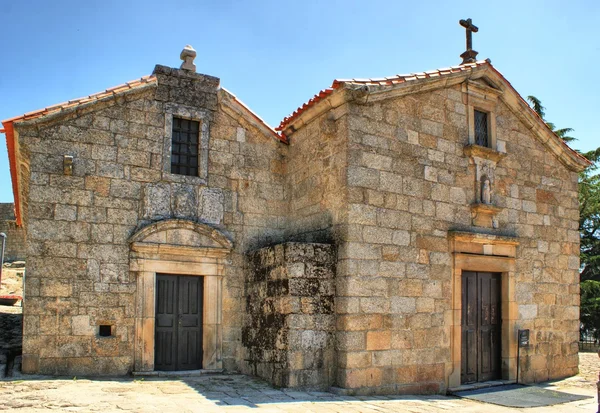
x=180 y=247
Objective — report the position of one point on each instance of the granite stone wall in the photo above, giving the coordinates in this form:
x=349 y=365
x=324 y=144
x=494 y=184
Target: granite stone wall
x=15 y=249
x=289 y=337
x=384 y=181
x=79 y=226
x=410 y=183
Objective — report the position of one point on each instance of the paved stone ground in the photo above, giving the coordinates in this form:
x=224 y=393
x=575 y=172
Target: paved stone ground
x=237 y=393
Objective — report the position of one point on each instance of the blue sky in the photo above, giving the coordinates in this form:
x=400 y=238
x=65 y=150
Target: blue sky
x=274 y=55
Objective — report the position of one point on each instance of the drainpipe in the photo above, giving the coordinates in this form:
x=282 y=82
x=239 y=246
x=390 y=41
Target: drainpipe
x=3 y=236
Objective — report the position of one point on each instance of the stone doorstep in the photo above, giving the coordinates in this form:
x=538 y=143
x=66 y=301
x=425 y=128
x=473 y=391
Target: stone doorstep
x=480 y=385
x=184 y=373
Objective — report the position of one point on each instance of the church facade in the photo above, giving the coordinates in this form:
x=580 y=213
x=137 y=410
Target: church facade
x=392 y=235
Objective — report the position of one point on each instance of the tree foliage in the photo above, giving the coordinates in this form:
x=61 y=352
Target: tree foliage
x=562 y=133
x=590 y=309
x=589 y=219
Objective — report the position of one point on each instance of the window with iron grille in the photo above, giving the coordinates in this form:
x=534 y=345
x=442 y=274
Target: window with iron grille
x=184 y=147
x=481 y=128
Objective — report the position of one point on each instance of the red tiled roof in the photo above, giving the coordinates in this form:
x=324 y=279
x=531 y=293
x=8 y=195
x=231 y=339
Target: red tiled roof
x=398 y=79
x=384 y=81
x=314 y=100
x=87 y=99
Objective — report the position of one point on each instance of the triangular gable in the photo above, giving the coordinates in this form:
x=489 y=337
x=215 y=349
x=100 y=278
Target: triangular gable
x=51 y=112
x=481 y=72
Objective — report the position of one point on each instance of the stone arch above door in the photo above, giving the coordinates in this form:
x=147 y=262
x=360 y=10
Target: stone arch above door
x=178 y=247
x=182 y=232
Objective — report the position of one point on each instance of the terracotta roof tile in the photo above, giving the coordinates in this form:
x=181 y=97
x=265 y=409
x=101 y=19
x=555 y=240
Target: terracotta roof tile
x=398 y=79
x=315 y=99
x=77 y=102
x=384 y=81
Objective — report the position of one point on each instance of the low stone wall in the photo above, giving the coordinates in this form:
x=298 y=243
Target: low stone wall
x=289 y=332
x=15 y=236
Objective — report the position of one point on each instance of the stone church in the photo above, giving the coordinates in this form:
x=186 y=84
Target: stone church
x=392 y=235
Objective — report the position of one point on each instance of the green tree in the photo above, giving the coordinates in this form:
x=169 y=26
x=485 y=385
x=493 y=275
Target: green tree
x=589 y=218
x=590 y=309
x=537 y=106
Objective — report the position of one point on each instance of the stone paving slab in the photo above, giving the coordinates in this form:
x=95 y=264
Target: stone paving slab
x=229 y=393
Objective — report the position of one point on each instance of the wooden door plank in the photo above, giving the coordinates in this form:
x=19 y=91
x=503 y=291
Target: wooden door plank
x=166 y=331
x=190 y=323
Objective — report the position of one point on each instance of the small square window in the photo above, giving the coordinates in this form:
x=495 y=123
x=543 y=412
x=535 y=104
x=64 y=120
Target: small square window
x=184 y=147
x=481 y=128
x=105 y=330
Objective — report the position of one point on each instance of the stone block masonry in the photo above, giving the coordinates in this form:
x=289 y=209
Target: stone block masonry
x=79 y=274
x=15 y=236
x=331 y=257
x=288 y=338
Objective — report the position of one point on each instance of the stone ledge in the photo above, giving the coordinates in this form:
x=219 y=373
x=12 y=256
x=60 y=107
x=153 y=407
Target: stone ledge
x=184 y=373
x=485 y=209
x=480 y=385
x=483 y=152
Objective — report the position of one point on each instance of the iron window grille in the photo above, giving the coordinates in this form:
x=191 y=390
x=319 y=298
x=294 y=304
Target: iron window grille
x=184 y=147
x=481 y=128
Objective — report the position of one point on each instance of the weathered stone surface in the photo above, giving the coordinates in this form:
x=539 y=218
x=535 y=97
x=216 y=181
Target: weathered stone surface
x=384 y=181
x=210 y=205
x=291 y=346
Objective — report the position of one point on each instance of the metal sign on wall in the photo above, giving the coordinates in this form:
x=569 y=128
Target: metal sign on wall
x=523 y=338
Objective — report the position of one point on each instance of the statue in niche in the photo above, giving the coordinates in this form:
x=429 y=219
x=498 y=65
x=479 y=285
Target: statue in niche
x=486 y=191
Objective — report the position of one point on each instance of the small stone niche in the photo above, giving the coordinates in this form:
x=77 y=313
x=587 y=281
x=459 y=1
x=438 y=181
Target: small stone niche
x=484 y=212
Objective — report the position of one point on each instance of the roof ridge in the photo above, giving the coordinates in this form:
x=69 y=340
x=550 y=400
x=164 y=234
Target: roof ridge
x=382 y=81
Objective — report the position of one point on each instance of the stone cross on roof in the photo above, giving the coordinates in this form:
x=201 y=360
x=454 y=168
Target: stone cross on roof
x=470 y=55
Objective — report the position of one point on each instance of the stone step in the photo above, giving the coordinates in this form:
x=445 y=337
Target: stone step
x=183 y=373
x=479 y=385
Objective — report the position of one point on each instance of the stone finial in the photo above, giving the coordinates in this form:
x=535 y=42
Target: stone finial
x=188 y=54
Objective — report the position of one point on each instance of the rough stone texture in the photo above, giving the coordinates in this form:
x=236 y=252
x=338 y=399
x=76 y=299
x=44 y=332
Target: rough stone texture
x=409 y=183
x=78 y=274
x=15 y=249
x=289 y=337
x=383 y=180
